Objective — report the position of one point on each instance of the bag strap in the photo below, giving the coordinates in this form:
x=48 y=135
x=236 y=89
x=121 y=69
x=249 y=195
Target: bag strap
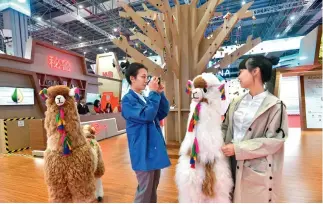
x=281 y=120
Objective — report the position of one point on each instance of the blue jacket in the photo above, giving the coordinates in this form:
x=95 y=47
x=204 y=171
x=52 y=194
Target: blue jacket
x=145 y=139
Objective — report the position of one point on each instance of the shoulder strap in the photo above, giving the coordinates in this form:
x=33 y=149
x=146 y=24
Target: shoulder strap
x=281 y=119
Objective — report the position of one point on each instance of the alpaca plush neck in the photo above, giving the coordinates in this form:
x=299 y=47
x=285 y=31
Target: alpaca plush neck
x=63 y=129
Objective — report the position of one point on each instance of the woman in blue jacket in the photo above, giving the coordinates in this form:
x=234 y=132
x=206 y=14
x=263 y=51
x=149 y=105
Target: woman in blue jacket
x=147 y=147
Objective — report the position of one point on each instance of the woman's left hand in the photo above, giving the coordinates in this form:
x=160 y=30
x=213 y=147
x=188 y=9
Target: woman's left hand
x=161 y=88
x=228 y=150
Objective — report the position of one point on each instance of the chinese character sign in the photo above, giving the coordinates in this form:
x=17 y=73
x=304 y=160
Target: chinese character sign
x=55 y=63
x=99 y=128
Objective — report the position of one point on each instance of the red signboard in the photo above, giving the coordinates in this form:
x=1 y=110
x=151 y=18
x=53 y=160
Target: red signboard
x=56 y=63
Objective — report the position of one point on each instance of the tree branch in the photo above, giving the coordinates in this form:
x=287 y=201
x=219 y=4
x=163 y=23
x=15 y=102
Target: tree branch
x=147 y=41
x=169 y=58
x=146 y=28
x=226 y=29
x=136 y=55
x=158 y=4
x=194 y=3
x=229 y=59
x=147 y=13
x=209 y=13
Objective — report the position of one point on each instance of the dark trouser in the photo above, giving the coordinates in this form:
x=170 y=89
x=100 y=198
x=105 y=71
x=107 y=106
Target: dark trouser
x=147 y=186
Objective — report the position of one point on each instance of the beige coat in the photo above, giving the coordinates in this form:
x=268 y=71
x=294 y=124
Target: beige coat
x=260 y=155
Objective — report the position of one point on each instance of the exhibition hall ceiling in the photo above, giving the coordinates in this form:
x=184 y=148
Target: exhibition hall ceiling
x=57 y=22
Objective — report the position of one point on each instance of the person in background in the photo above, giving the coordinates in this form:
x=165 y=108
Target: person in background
x=146 y=143
x=254 y=129
x=108 y=108
x=97 y=106
x=82 y=108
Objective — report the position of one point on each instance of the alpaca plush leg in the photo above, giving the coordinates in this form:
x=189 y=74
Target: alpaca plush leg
x=83 y=191
x=59 y=193
x=80 y=177
x=99 y=190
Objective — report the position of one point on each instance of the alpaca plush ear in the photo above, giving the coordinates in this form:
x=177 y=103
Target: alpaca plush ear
x=43 y=94
x=75 y=92
x=189 y=87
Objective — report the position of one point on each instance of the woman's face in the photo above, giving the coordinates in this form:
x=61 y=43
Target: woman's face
x=99 y=104
x=140 y=82
x=245 y=78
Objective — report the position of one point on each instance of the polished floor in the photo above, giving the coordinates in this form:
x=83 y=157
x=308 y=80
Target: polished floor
x=21 y=176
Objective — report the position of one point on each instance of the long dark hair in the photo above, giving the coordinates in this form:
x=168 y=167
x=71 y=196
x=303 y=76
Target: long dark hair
x=263 y=63
x=110 y=107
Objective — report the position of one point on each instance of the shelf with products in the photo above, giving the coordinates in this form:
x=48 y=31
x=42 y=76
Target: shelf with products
x=47 y=80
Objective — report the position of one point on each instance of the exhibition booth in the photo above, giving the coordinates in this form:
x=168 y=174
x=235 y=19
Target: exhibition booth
x=22 y=110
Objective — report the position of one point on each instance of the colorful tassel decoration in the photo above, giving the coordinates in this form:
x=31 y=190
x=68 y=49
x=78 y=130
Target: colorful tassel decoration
x=188 y=87
x=43 y=94
x=194 y=153
x=65 y=140
x=195 y=118
x=222 y=91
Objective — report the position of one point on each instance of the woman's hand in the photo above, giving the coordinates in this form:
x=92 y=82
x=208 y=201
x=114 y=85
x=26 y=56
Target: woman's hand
x=153 y=84
x=228 y=150
x=161 y=88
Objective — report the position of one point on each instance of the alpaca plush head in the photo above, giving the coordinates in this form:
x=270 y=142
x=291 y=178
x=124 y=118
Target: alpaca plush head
x=62 y=121
x=89 y=131
x=60 y=94
x=206 y=87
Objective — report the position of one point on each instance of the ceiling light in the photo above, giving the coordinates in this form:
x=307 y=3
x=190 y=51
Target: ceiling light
x=277 y=36
x=243 y=3
x=22 y=1
x=106 y=49
x=84 y=52
x=115 y=29
x=292 y=17
x=80 y=6
x=38 y=18
x=55 y=42
x=100 y=48
x=80 y=37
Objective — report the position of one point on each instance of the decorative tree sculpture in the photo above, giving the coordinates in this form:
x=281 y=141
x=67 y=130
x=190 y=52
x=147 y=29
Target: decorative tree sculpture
x=179 y=40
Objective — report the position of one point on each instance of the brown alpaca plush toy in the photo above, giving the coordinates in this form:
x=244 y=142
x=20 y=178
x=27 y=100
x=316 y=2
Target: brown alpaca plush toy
x=69 y=158
x=89 y=133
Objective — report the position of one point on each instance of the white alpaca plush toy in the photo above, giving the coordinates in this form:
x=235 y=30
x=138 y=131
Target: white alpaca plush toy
x=203 y=173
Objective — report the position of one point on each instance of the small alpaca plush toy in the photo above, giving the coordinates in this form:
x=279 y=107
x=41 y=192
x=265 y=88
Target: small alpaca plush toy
x=203 y=173
x=69 y=158
x=89 y=133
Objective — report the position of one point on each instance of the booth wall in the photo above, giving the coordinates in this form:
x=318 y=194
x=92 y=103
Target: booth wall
x=16 y=80
x=109 y=86
x=92 y=88
x=40 y=64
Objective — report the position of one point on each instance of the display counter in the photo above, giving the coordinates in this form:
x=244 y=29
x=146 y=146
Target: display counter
x=107 y=125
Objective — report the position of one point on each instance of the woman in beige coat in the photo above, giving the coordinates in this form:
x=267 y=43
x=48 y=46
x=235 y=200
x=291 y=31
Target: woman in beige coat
x=254 y=130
